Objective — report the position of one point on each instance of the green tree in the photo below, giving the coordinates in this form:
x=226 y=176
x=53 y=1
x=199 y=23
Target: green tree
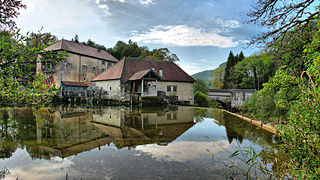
x=253 y=71
x=9 y=9
x=200 y=86
x=201 y=99
x=132 y=49
x=229 y=81
x=217 y=81
x=281 y=17
x=41 y=39
x=94 y=45
x=164 y=54
x=17 y=62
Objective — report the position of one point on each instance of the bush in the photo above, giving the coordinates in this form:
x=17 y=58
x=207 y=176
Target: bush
x=201 y=99
x=261 y=107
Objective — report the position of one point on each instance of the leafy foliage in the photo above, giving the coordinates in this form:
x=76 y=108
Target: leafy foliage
x=281 y=17
x=253 y=71
x=131 y=49
x=200 y=86
x=18 y=82
x=94 y=45
x=300 y=134
x=217 y=81
x=229 y=81
x=41 y=39
x=201 y=99
x=9 y=9
x=261 y=107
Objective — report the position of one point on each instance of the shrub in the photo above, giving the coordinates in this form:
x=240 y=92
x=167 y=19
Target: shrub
x=261 y=107
x=201 y=99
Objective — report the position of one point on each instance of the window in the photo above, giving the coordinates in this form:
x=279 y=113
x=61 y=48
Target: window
x=94 y=69
x=84 y=68
x=110 y=64
x=174 y=88
x=103 y=62
x=69 y=65
x=47 y=68
x=168 y=88
x=174 y=116
x=102 y=70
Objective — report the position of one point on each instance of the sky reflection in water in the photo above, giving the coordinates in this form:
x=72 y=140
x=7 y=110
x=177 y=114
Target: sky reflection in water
x=117 y=143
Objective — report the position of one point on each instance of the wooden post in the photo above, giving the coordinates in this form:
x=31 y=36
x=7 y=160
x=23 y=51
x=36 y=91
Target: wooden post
x=142 y=87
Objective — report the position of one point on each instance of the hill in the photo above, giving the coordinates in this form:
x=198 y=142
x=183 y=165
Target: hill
x=207 y=75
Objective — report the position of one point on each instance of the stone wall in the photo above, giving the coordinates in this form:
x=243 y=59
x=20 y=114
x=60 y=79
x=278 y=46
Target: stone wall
x=113 y=87
x=72 y=69
x=184 y=91
x=239 y=97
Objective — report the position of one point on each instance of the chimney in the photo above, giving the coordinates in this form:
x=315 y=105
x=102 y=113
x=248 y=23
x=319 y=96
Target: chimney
x=161 y=72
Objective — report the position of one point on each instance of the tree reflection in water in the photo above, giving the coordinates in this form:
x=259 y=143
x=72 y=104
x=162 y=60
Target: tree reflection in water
x=64 y=132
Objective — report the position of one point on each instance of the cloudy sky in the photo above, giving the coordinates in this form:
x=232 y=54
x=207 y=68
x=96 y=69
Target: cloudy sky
x=200 y=32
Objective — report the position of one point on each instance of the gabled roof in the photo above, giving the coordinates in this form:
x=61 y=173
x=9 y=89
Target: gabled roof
x=81 y=49
x=72 y=83
x=127 y=67
x=142 y=74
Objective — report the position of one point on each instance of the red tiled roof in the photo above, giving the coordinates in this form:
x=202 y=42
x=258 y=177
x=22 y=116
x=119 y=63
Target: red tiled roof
x=141 y=74
x=127 y=67
x=72 y=83
x=114 y=72
x=81 y=49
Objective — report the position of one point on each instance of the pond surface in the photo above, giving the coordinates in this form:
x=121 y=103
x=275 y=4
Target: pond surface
x=122 y=143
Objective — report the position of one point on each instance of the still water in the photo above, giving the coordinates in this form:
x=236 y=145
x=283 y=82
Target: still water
x=122 y=143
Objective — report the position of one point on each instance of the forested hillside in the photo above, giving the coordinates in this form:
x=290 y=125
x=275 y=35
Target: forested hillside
x=208 y=75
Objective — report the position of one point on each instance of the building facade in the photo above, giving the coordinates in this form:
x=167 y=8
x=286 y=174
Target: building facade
x=80 y=67
x=132 y=76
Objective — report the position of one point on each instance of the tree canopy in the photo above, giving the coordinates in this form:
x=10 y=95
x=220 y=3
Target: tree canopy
x=281 y=17
x=9 y=9
x=132 y=49
x=17 y=62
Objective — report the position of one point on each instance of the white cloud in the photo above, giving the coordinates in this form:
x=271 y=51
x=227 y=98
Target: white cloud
x=146 y=2
x=183 y=35
x=231 y=24
x=184 y=151
x=143 y=2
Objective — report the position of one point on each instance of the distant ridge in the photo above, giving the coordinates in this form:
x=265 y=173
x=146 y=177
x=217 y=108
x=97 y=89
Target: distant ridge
x=207 y=75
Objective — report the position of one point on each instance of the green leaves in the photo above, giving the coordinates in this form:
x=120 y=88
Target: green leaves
x=19 y=83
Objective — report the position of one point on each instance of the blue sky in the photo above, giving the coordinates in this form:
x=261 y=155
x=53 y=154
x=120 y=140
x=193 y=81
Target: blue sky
x=200 y=32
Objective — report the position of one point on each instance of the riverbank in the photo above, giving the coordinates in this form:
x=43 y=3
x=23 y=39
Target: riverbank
x=259 y=124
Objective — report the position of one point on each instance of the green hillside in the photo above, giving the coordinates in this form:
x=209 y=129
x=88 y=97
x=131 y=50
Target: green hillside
x=207 y=75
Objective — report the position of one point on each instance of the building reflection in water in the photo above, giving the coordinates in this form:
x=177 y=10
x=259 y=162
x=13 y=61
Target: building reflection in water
x=66 y=133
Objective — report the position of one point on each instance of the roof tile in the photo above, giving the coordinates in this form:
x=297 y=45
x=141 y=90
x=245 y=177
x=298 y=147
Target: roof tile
x=127 y=67
x=72 y=83
x=81 y=49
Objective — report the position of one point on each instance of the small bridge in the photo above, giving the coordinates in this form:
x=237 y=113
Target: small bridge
x=230 y=98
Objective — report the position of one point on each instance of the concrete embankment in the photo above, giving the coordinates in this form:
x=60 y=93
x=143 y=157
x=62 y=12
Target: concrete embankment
x=260 y=124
